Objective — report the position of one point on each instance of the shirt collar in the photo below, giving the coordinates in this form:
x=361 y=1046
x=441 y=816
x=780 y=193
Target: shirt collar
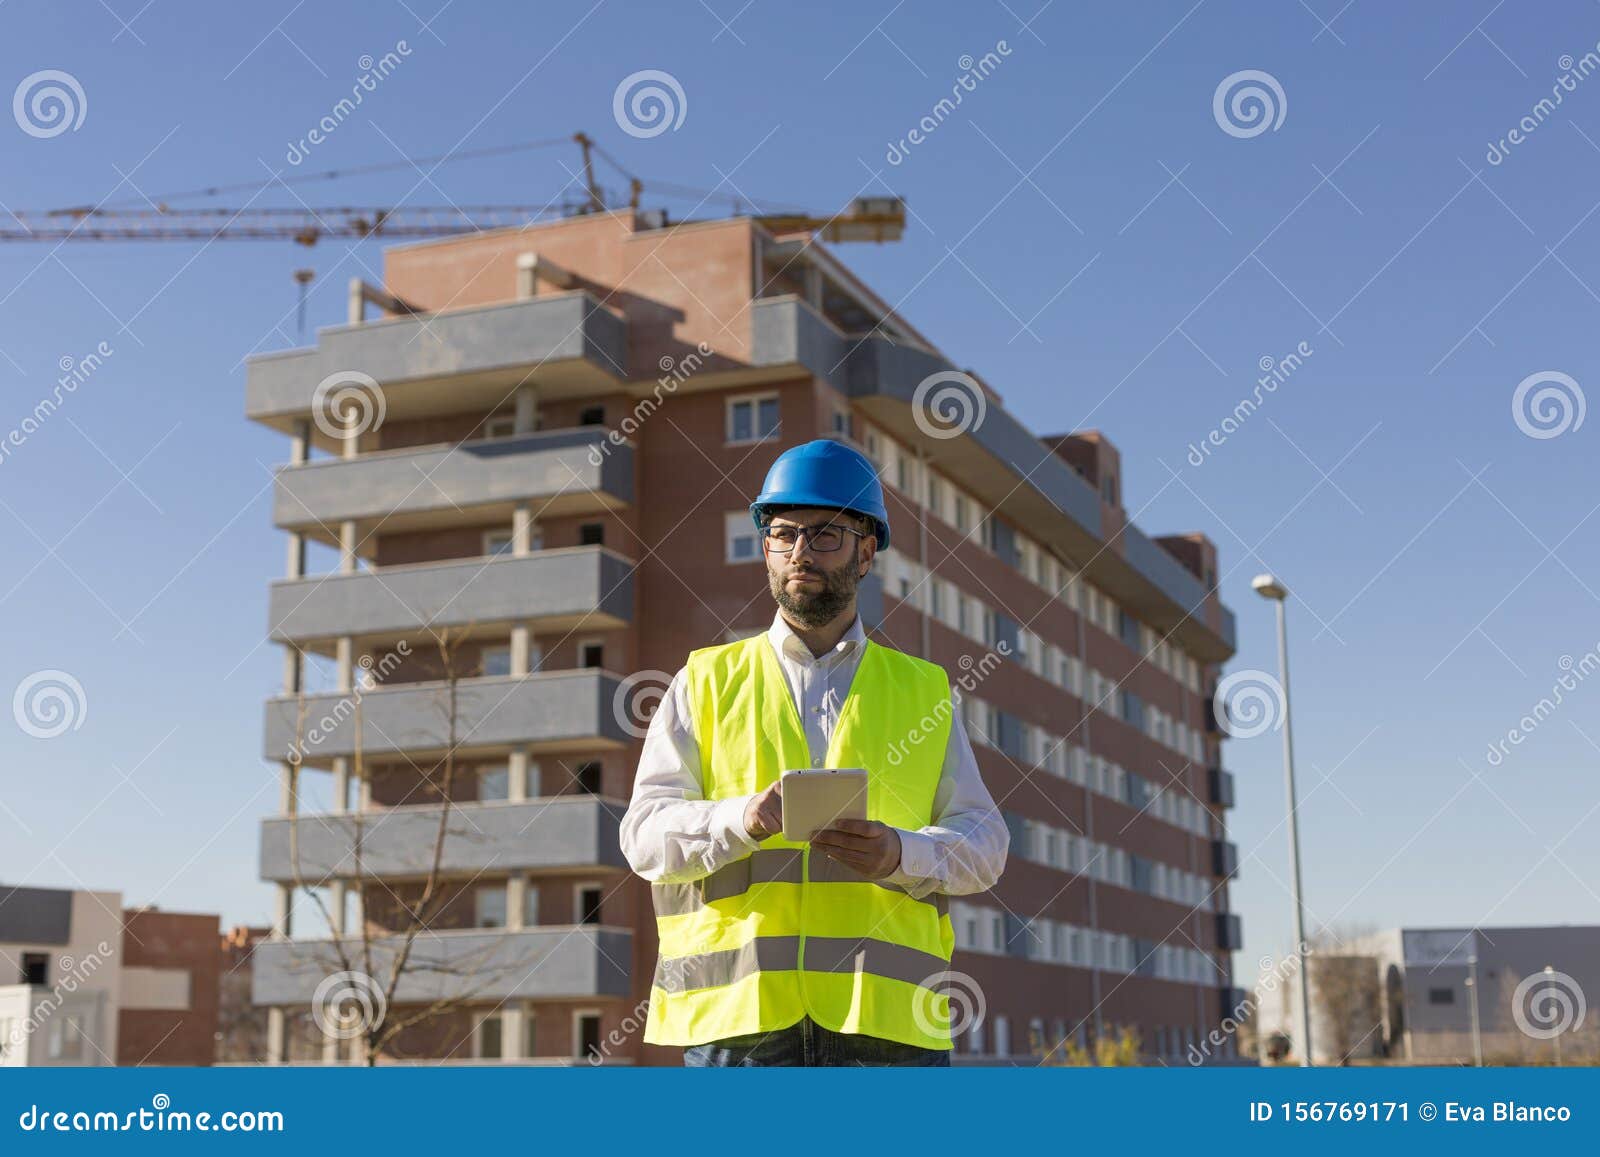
x=791 y=646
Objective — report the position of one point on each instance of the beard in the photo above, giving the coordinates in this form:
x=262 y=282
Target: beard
x=813 y=609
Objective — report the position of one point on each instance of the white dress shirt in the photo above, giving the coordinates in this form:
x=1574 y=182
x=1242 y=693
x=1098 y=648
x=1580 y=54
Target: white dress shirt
x=673 y=834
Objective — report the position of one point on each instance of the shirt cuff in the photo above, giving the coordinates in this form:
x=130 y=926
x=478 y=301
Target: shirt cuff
x=916 y=859
x=727 y=824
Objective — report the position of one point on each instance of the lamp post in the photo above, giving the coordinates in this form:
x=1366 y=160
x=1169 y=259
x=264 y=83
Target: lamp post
x=1270 y=588
x=1472 y=992
x=1549 y=978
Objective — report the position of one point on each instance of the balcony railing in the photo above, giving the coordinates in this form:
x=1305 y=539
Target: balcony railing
x=552 y=962
x=563 y=344
x=549 y=833
x=579 y=470
x=550 y=590
x=553 y=711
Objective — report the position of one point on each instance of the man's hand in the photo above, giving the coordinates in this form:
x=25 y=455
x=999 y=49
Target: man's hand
x=763 y=815
x=870 y=847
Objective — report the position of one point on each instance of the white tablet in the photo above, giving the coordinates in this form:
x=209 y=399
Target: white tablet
x=815 y=797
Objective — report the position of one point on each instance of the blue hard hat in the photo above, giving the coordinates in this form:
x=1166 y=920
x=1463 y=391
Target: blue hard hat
x=828 y=475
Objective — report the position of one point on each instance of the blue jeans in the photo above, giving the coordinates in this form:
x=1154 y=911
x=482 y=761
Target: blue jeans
x=808 y=1043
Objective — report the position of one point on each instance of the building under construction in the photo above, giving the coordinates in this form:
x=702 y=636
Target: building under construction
x=528 y=474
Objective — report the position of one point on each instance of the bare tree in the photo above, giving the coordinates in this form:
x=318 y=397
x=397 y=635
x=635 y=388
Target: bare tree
x=380 y=959
x=1346 y=996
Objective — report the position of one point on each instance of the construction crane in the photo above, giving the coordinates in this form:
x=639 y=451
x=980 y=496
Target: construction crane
x=876 y=219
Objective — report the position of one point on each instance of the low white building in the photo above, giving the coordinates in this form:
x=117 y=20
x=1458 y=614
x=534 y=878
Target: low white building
x=1410 y=995
x=59 y=976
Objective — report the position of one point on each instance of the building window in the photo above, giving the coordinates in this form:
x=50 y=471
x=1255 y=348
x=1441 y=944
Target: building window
x=67 y=1037
x=496 y=661
x=1128 y=630
x=841 y=424
x=1441 y=996
x=494 y=783
x=1132 y=710
x=587 y=904
x=1002 y=1037
x=1108 y=489
x=752 y=418
x=500 y=426
x=592 y=416
x=530 y=913
x=529 y=1036
x=489 y=906
x=741 y=540
x=497 y=542
x=586 y=1035
x=592 y=534
x=588 y=777
x=35 y=968
x=490 y=1044
x=591 y=653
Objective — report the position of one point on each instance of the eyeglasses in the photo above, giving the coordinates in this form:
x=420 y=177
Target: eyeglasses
x=825 y=537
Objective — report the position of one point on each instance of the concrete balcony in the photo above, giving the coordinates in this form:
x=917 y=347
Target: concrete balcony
x=551 y=712
x=560 y=472
x=554 y=833
x=552 y=590
x=549 y=962
x=564 y=344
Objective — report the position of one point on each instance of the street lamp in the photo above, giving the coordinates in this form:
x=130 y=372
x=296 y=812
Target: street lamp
x=1269 y=587
x=1549 y=979
x=1472 y=991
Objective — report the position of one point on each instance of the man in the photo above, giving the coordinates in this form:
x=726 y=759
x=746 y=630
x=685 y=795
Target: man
x=832 y=952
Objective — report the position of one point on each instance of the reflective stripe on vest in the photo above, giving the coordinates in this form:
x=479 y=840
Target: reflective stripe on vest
x=779 y=953
x=785 y=933
x=764 y=866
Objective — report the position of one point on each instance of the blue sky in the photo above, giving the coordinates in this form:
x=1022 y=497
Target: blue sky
x=1085 y=235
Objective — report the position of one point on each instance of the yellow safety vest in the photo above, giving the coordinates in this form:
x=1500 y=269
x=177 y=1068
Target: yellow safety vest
x=785 y=933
